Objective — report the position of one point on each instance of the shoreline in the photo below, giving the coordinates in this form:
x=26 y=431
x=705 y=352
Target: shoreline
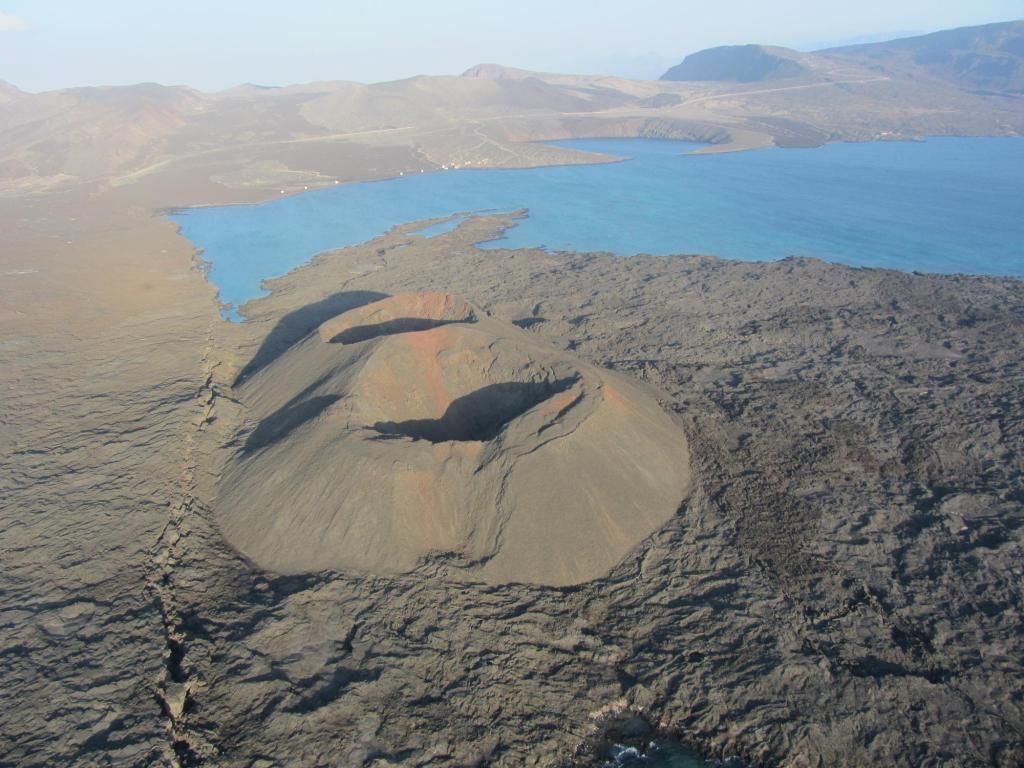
x=430 y=221
x=711 y=149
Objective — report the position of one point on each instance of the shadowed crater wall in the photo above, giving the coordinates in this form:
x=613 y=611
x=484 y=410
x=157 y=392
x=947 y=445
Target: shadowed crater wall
x=298 y=324
x=403 y=313
x=401 y=325
x=480 y=415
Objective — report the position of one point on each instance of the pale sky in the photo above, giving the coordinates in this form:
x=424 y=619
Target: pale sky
x=215 y=44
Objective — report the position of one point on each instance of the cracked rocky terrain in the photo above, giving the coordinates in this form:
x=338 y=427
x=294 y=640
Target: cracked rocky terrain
x=842 y=586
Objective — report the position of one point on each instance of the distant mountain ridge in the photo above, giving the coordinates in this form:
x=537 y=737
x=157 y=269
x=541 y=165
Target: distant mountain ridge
x=497 y=72
x=987 y=58
x=8 y=91
x=962 y=82
x=739 y=63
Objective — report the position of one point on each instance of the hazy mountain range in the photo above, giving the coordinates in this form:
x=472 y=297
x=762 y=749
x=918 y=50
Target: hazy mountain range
x=961 y=82
x=988 y=58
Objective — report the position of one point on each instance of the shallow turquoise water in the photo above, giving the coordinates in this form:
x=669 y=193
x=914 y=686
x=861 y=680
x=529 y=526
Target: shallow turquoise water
x=945 y=205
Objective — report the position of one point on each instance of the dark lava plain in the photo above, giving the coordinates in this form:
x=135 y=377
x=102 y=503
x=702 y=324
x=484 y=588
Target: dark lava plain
x=844 y=587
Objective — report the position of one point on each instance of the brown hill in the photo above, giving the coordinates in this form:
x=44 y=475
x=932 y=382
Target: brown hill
x=419 y=426
x=439 y=99
x=88 y=132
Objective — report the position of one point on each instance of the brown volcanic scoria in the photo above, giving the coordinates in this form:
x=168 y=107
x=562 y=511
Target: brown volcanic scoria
x=418 y=425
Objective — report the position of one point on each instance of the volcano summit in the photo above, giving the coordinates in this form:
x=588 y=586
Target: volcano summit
x=419 y=425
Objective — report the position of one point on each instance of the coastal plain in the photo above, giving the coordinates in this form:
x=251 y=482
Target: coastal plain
x=841 y=585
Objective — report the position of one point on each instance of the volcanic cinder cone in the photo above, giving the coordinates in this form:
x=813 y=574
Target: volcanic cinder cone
x=418 y=425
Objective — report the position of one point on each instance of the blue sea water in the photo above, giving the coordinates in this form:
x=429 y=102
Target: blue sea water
x=944 y=205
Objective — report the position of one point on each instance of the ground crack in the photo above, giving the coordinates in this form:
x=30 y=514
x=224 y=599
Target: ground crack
x=175 y=687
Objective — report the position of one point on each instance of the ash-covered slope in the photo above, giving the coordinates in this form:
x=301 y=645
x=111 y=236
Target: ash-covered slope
x=418 y=425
